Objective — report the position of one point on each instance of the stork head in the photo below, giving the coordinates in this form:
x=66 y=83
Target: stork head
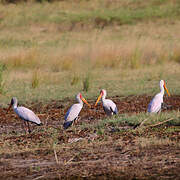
x=162 y=85
x=13 y=102
x=80 y=98
x=102 y=94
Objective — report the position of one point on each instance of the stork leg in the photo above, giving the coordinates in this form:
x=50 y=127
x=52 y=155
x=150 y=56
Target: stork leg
x=76 y=121
x=24 y=126
x=73 y=123
x=29 y=130
x=159 y=112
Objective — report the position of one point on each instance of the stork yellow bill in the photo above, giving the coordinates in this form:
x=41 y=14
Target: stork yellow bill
x=85 y=102
x=24 y=113
x=166 y=89
x=98 y=99
x=156 y=103
x=73 y=112
x=109 y=106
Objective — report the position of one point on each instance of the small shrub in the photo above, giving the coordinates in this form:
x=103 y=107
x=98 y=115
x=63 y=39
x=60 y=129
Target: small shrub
x=66 y=65
x=135 y=60
x=35 y=80
x=75 y=80
x=55 y=67
x=2 y=68
x=23 y=60
x=176 y=56
x=86 y=83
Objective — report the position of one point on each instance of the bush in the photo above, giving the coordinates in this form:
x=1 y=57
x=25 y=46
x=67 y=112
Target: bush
x=2 y=69
x=35 y=80
x=86 y=83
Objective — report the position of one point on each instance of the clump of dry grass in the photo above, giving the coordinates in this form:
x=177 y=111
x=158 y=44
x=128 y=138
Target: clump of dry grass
x=75 y=80
x=23 y=59
x=67 y=64
x=55 y=65
x=35 y=79
x=105 y=55
x=86 y=83
x=133 y=55
x=176 y=55
x=148 y=142
x=2 y=84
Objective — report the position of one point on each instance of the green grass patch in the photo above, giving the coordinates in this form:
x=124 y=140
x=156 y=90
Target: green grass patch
x=25 y=14
x=134 y=120
x=124 y=45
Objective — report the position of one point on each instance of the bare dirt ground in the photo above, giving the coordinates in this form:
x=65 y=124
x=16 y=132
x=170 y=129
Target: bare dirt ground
x=111 y=155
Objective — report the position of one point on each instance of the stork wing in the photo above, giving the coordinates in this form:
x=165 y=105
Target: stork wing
x=155 y=104
x=111 y=105
x=27 y=115
x=115 y=111
x=67 y=124
x=73 y=112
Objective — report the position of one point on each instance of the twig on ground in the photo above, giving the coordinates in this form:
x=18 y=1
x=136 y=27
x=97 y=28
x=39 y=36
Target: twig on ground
x=160 y=123
x=39 y=177
x=46 y=121
x=143 y=122
x=55 y=155
x=69 y=160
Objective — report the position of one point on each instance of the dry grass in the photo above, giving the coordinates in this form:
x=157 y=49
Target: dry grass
x=35 y=79
x=22 y=60
x=126 y=47
x=155 y=141
x=101 y=50
x=115 y=55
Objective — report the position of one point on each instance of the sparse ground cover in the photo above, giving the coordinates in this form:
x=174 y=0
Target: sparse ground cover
x=97 y=147
x=43 y=55
x=51 y=51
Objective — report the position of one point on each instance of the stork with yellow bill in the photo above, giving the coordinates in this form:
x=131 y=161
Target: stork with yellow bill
x=156 y=103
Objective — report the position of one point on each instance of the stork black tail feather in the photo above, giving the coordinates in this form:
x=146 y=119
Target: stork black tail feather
x=115 y=111
x=67 y=124
x=40 y=124
x=165 y=106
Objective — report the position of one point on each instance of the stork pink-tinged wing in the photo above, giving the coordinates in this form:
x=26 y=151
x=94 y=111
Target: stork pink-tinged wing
x=27 y=115
x=73 y=112
x=155 y=104
x=109 y=107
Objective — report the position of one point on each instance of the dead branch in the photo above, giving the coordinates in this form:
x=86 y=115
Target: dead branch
x=55 y=155
x=160 y=123
x=143 y=122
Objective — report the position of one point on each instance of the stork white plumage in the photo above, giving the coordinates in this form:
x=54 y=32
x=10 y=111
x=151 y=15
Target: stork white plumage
x=24 y=113
x=156 y=103
x=109 y=106
x=73 y=112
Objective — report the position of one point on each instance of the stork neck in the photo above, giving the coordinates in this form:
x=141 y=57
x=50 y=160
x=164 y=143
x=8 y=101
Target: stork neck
x=80 y=102
x=15 y=105
x=103 y=97
x=162 y=90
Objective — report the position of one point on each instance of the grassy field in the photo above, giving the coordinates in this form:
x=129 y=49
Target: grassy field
x=51 y=51
x=54 y=48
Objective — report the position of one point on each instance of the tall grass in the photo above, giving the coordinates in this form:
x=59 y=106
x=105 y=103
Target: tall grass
x=22 y=60
x=96 y=13
x=35 y=79
x=113 y=56
x=86 y=83
x=75 y=80
x=2 y=83
x=119 y=42
x=134 y=120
